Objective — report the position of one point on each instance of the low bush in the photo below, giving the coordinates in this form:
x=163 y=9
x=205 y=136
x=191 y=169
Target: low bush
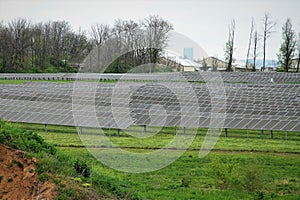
x=235 y=174
x=82 y=168
x=24 y=140
x=251 y=175
x=186 y=181
x=226 y=173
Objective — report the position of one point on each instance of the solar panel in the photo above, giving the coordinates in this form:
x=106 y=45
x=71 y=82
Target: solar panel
x=119 y=105
x=240 y=77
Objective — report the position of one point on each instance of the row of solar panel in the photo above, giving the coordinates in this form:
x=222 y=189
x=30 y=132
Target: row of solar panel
x=274 y=107
x=253 y=77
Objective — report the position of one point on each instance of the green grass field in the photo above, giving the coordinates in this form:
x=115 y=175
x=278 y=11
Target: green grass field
x=244 y=165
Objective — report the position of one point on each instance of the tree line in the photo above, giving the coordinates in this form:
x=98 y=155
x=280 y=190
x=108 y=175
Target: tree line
x=54 y=46
x=40 y=47
x=128 y=44
x=289 y=50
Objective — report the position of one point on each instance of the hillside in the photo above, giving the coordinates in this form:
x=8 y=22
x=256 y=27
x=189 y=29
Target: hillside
x=30 y=168
x=19 y=179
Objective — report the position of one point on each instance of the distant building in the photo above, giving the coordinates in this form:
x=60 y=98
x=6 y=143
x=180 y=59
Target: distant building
x=240 y=66
x=213 y=64
x=216 y=64
x=178 y=63
x=294 y=65
x=188 y=53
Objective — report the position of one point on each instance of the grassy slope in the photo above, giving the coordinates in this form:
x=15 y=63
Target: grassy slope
x=51 y=165
x=280 y=177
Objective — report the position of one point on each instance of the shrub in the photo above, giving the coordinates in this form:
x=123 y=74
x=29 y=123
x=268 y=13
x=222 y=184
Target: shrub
x=230 y=174
x=226 y=173
x=24 y=140
x=251 y=174
x=280 y=69
x=186 y=181
x=82 y=168
x=259 y=195
x=43 y=177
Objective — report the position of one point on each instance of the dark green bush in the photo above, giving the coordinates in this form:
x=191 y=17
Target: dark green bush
x=82 y=168
x=43 y=177
x=24 y=140
x=259 y=195
x=186 y=181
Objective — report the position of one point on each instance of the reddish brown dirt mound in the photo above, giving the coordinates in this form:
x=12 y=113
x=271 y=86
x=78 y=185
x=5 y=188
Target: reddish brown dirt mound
x=18 y=177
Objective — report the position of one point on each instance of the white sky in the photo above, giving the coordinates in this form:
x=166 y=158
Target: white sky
x=204 y=21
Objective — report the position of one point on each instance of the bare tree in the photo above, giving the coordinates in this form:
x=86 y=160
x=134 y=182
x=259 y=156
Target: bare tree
x=204 y=64
x=131 y=30
x=298 y=49
x=99 y=33
x=249 y=44
x=59 y=31
x=77 y=47
x=268 y=26
x=21 y=42
x=157 y=30
x=6 y=49
x=37 y=34
x=288 y=45
x=230 y=45
x=255 y=43
x=214 y=63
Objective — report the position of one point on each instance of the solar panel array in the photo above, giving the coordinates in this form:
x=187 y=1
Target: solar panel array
x=241 y=77
x=121 y=104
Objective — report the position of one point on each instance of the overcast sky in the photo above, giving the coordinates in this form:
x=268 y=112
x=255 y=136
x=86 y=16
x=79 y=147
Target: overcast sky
x=204 y=21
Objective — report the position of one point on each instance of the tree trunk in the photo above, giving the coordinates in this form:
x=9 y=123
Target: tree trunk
x=249 y=45
x=298 y=64
x=264 y=56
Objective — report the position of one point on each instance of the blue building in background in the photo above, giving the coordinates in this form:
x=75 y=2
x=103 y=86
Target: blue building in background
x=188 y=53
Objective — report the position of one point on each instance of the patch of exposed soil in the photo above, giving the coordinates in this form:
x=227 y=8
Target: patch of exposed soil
x=18 y=177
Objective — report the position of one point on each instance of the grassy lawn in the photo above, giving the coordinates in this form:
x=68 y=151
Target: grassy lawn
x=244 y=165
x=280 y=177
x=237 y=140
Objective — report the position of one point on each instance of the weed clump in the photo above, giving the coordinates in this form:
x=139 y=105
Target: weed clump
x=82 y=168
x=231 y=174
